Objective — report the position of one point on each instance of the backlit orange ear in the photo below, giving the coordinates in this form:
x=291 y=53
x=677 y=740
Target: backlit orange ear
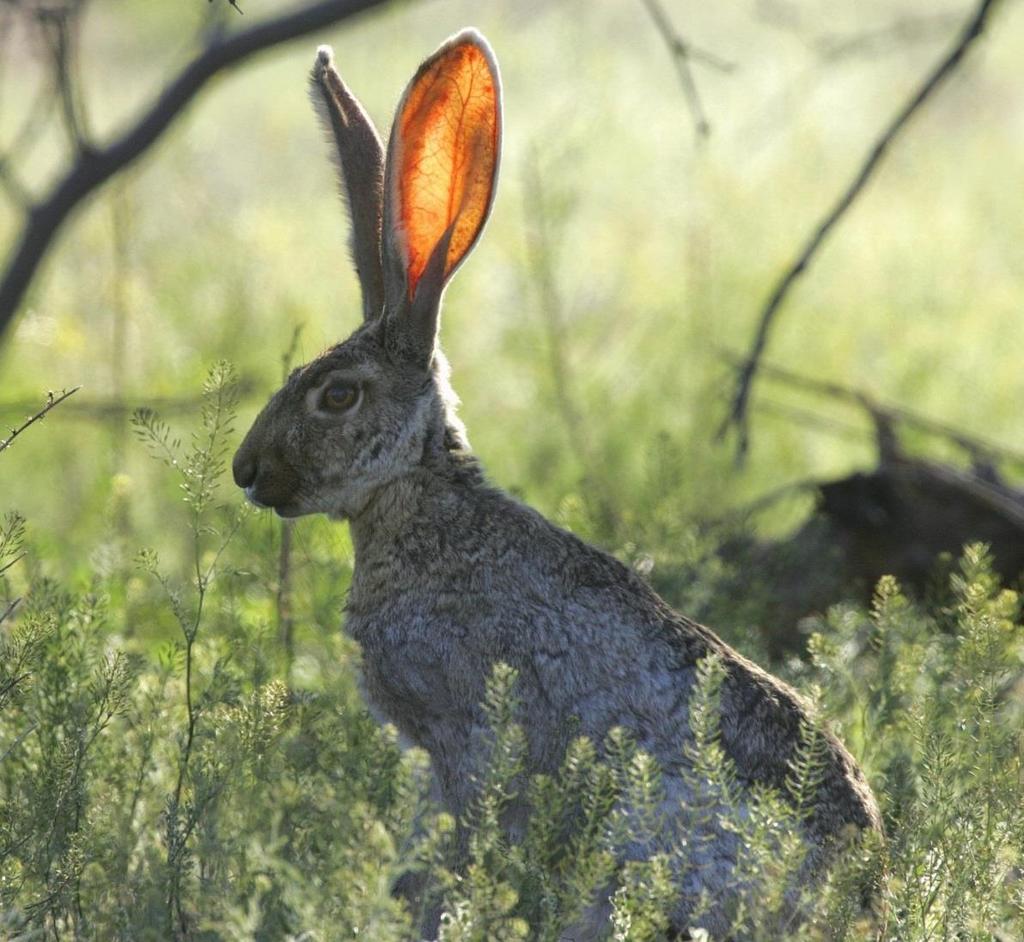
x=444 y=154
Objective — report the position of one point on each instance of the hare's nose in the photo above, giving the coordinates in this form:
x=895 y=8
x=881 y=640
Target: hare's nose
x=244 y=469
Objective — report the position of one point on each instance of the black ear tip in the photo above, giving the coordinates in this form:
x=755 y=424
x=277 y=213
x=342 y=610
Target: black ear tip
x=325 y=57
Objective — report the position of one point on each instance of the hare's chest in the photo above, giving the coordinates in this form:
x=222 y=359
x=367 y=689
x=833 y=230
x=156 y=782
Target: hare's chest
x=417 y=675
x=431 y=692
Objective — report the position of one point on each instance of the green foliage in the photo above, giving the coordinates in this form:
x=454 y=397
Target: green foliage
x=167 y=771
x=168 y=767
x=937 y=703
x=184 y=790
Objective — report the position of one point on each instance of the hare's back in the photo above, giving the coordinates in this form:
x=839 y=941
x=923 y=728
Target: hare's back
x=639 y=658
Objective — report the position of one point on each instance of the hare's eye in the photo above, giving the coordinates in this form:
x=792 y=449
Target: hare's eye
x=339 y=397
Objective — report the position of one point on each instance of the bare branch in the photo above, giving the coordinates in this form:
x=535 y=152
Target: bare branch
x=813 y=420
x=542 y=264
x=902 y=32
x=738 y=413
x=36 y=116
x=683 y=53
x=542 y=240
x=59 y=26
x=116 y=408
x=18 y=741
x=7 y=612
x=974 y=446
x=52 y=401
x=94 y=168
x=234 y=3
x=8 y=565
x=7 y=22
x=16 y=191
x=283 y=597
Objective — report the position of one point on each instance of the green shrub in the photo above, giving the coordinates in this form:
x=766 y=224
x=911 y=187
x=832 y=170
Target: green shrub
x=172 y=766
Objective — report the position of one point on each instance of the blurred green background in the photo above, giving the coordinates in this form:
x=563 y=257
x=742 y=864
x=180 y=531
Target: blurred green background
x=622 y=256
x=208 y=701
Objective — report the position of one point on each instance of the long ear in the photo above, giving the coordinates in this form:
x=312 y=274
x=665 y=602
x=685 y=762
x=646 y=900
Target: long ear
x=442 y=168
x=361 y=166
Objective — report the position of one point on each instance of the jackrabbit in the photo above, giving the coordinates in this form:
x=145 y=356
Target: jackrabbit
x=452 y=575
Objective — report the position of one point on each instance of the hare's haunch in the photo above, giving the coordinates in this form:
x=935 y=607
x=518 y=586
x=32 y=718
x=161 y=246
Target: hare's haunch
x=452 y=575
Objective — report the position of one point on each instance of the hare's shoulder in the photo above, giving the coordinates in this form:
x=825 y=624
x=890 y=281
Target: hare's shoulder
x=762 y=718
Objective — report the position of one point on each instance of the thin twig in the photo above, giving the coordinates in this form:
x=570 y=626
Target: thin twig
x=971 y=444
x=120 y=224
x=115 y=408
x=7 y=612
x=807 y=486
x=6 y=32
x=738 y=413
x=18 y=741
x=62 y=37
x=52 y=401
x=542 y=258
x=683 y=54
x=900 y=32
x=11 y=562
x=94 y=168
x=16 y=191
x=291 y=351
x=36 y=116
x=897 y=35
x=541 y=255
x=811 y=419
x=283 y=598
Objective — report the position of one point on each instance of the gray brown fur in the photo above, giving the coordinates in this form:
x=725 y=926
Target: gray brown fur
x=452 y=575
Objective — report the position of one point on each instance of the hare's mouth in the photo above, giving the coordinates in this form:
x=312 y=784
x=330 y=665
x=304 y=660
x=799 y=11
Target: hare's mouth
x=287 y=509
x=250 y=495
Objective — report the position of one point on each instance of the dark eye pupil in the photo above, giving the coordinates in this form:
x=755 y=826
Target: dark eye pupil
x=340 y=396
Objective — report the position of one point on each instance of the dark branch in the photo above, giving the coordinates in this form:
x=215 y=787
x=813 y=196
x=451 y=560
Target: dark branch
x=52 y=401
x=543 y=268
x=7 y=612
x=11 y=562
x=738 y=413
x=813 y=420
x=544 y=224
x=16 y=191
x=93 y=169
x=234 y=3
x=283 y=597
x=14 y=745
x=974 y=446
x=36 y=116
x=119 y=408
x=60 y=30
x=899 y=34
x=683 y=54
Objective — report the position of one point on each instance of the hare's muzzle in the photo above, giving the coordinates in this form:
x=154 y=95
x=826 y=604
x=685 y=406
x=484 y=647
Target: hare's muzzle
x=244 y=469
x=268 y=480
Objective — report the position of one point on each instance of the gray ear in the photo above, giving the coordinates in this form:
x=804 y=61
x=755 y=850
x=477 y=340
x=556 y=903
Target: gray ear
x=361 y=166
x=442 y=169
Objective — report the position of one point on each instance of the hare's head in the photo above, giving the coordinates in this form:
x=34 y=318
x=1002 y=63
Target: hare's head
x=378 y=405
